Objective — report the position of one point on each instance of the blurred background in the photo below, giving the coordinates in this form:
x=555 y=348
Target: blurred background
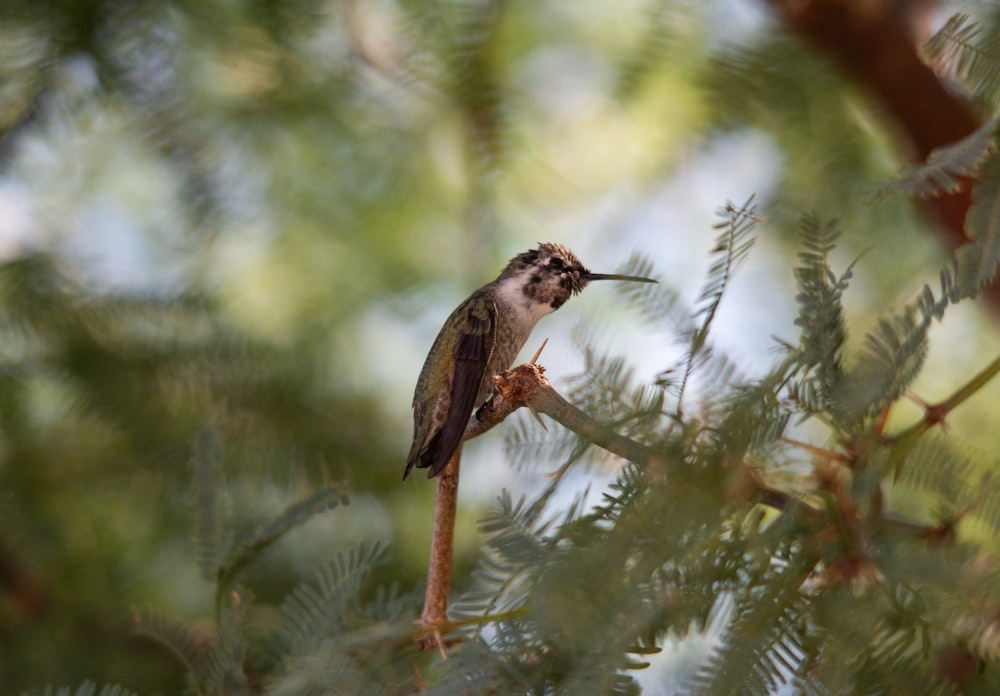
x=254 y=215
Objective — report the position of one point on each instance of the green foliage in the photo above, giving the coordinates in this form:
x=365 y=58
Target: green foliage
x=331 y=635
x=244 y=551
x=177 y=638
x=574 y=598
x=88 y=689
x=312 y=615
x=459 y=57
x=768 y=638
x=662 y=21
x=947 y=169
x=820 y=314
x=731 y=249
x=969 y=51
x=298 y=170
x=207 y=460
x=977 y=263
x=225 y=672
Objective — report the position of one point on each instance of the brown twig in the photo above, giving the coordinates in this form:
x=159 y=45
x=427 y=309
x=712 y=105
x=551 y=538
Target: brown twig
x=526 y=385
x=435 y=613
x=935 y=414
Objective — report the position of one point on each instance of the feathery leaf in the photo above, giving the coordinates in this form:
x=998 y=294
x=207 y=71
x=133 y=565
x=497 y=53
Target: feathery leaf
x=894 y=353
x=250 y=549
x=945 y=167
x=766 y=642
x=731 y=249
x=820 y=313
x=208 y=522
x=178 y=639
x=319 y=610
x=977 y=260
x=225 y=664
x=968 y=51
x=88 y=688
x=661 y=22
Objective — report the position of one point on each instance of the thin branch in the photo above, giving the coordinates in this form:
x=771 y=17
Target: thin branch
x=435 y=613
x=936 y=413
x=450 y=626
x=970 y=387
x=526 y=385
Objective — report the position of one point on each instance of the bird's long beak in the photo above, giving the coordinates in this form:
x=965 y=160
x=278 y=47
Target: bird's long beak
x=616 y=276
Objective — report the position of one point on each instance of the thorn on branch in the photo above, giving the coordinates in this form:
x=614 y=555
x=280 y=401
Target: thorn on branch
x=538 y=353
x=934 y=414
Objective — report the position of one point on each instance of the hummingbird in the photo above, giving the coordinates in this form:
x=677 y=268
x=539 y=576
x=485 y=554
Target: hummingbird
x=481 y=338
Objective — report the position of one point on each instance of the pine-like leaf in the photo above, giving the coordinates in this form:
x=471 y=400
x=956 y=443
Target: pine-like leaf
x=977 y=260
x=474 y=667
x=528 y=446
x=730 y=251
x=226 y=662
x=517 y=546
x=661 y=23
x=495 y=581
x=605 y=389
x=936 y=469
x=88 y=688
x=452 y=46
x=600 y=388
x=894 y=353
x=902 y=635
x=660 y=304
x=974 y=621
x=250 y=549
x=178 y=639
x=985 y=506
x=754 y=419
x=320 y=609
x=731 y=248
x=766 y=643
x=967 y=51
x=208 y=510
x=627 y=487
x=516 y=532
x=945 y=168
x=819 y=298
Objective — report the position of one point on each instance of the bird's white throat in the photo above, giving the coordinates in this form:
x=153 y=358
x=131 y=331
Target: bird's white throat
x=522 y=309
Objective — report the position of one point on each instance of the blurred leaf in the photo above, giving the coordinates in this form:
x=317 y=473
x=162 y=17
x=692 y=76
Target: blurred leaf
x=977 y=261
x=249 y=549
x=89 y=689
x=945 y=168
x=969 y=51
x=207 y=463
x=179 y=639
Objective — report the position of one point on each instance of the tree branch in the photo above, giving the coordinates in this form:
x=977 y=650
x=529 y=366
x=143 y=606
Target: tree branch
x=435 y=613
x=526 y=385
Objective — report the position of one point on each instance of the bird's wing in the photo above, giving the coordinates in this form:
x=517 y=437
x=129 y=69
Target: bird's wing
x=472 y=353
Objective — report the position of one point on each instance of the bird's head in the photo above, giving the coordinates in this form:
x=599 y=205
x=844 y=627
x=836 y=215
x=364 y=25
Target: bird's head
x=551 y=274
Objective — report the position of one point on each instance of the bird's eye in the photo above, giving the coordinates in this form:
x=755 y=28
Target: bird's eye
x=556 y=264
